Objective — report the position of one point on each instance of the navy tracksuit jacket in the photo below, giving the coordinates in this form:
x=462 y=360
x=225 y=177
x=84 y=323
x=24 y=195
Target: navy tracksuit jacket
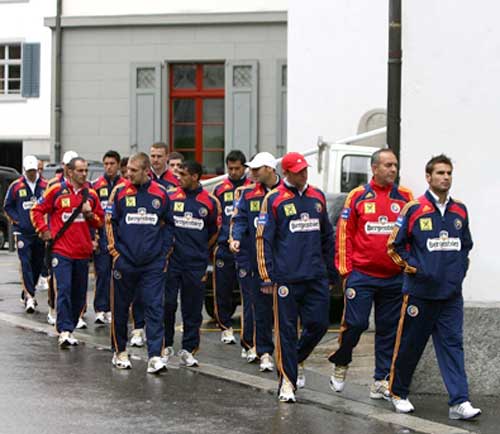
x=295 y=252
x=433 y=251
x=19 y=199
x=140 y=235
x=196 y=218
x=224 y=271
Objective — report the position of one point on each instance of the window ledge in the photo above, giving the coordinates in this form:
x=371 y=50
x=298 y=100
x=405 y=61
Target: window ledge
x=12 y=98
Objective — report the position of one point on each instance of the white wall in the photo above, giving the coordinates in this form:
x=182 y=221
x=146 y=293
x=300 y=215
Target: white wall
x=337 y=57
x=131 y=7
x=451 y=104
x=24 y=22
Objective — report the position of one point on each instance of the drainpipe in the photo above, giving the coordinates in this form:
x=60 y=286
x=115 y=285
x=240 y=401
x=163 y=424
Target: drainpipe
x=58 y=85
x=394 y=78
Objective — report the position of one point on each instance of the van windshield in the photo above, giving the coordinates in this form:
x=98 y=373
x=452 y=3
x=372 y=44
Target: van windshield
x=355 y=172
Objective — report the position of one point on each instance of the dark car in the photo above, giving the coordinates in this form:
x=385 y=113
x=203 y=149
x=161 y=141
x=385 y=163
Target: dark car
x=335 y=203
x=7 y=175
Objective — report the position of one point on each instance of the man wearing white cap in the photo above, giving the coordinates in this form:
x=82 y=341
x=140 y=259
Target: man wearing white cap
x=256 y=333
x=21 y=196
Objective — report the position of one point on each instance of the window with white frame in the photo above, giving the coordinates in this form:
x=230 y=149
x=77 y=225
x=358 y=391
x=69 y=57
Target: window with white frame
x=10 y=68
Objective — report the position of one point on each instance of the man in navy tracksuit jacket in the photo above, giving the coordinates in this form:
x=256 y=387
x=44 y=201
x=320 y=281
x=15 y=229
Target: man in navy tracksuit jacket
x=431 y=243
x=21 y=196
x=196 y=217
x=140 y=235
x=102 y=259
x=295 y=253
x=224 y=272
x=257 y=327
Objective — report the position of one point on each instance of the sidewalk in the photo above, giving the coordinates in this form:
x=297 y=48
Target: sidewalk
x=224 y=361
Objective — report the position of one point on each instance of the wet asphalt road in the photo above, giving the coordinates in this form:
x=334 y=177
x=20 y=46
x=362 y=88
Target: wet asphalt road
x=47 y=390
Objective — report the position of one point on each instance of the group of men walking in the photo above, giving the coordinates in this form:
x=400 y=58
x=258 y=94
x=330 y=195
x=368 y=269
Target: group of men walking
x=152 y=232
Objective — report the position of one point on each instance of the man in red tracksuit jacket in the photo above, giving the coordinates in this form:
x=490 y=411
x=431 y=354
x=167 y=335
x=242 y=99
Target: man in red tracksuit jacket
x=369 y=274
x=72 y=251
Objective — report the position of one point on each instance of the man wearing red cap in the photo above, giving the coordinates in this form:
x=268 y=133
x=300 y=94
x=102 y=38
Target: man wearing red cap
x=295 y=258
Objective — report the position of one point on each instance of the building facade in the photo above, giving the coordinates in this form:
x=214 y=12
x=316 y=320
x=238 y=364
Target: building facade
x=202 y=81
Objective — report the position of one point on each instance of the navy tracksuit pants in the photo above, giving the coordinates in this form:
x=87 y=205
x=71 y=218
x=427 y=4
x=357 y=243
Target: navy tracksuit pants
x=225 y=277
x=189 y=282
x=70 y=286
x=138 y=320
x=149 y=281
x=102 y=265
x=31 y=251
x=257 y=322
x=361 y=292
x=309 y=301
x=443 y=320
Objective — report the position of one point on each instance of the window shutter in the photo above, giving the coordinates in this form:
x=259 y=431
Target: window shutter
x=241 y=106
x=145 y=106
x=31 y=70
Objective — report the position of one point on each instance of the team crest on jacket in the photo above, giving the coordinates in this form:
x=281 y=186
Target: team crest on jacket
x=20 y=244
x=219 y=263
x=117 y=275
x=458 y=224
x=156 y=203
x=242 y=273
x=395 y=208
x=350 y=293
x=412 y=310
x=283 y=291
x=203 y=212
x=54 y=262
x=318 y=207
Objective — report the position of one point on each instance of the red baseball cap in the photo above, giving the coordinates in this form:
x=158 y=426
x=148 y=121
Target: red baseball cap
x=294 y=162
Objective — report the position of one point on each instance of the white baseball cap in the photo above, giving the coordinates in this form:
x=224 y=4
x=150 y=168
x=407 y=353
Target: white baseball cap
x=262 y=159
x=30 y=162
x=68 y=156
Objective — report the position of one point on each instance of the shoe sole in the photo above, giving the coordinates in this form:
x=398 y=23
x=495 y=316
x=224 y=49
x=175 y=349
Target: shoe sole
x=64 y=345
x=404 y=412
x=458 y=417
x=157 y=371
x=122 y=367
x=287 y=400
x=379 y=396
x=192 y=365
x=266 y=369
x=30 y=310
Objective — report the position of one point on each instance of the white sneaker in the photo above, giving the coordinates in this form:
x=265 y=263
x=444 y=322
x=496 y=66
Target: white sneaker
x=243 y=353
x=464 y=411
x=337 y=379
x=81 y=324
x=266 y=363
x=380 y=390
x=301 y=377
x=156 y=365
x=167 y=353
x=73 y=340
x=30 y=305
x=287 y=393
x=137 y=338
x=43 y=284
x=402 y=405
x=227 y=336
x=251 y=355
x=187 y=358
x=100 y=318
x=108 y=317
x=121 y=360
x=64 y=340
x=51 y=316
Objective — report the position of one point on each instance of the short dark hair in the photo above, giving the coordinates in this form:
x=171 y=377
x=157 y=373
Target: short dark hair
x=143 y=158
x=376 y=155
x=123 y=161
x=112 y=154
x=193 y=168
x=441 y=158
x=160 y=145
x=175 y=156
x=236 y=155
x=72 y=163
